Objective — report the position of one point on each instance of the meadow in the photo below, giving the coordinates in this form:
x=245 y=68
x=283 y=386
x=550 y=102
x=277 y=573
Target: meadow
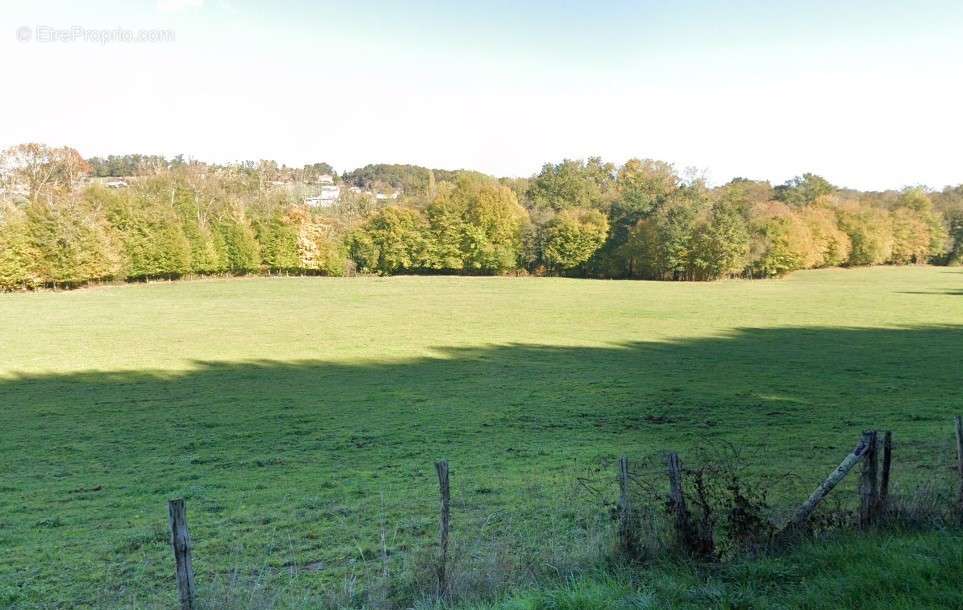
x=300 y=417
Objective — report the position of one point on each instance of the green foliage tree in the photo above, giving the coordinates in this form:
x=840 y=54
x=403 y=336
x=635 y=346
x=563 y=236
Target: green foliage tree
x=803 y=190
x=572 y=184
x=572 y=237
x=577 y=217
x=919 y=233
x=392 y=239
x=18 y=257
x=447 y=216
x=493 y=225
x=150 y=233
x=641 y=188
x=242 y=253
x=72 y=243
x=720 y=245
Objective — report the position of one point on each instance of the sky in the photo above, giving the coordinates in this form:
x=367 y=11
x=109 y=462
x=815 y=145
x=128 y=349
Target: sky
x=868 y=94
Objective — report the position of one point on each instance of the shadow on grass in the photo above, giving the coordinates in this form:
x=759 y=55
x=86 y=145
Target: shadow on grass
x=942 y=292
x=95 y=451
x=766 y=387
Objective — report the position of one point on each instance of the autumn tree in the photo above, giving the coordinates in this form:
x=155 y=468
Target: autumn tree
x=36 y=170
x=870 y=231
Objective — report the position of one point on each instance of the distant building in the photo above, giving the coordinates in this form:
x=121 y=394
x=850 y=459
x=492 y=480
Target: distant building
x=326 y=198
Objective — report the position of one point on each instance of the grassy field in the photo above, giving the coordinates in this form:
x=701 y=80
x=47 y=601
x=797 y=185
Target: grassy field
x=300 y=417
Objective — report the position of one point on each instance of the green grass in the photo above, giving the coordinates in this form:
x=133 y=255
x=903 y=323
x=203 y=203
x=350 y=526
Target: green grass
x=886 y=572
x=300 y=417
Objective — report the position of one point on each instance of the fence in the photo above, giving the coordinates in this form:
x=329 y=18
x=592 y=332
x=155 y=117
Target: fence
x=874 y=451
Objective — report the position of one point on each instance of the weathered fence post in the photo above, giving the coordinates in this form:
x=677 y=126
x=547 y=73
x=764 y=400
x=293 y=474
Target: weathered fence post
x=677 y=500
x=181 y=541
x=626 y=533
x=868 y=482
x=802 y=514
x=959 y=459
x=442 y=469
x=884 y=474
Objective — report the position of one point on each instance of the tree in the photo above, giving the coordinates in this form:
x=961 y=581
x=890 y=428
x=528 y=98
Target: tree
x=572 y=237
x=319 y=250
x=476 y=226
x=831 y=245
x=493 y=225
x=18 y=256
x=911 y=238
x=782 y=242
x=675 y=226
x=642 y=188
x=278 y=237
x=918 y=231
x=391 y=239
x=744 y=194
x=869 y=229
x=721 y=244
x=150 y=233
x=313 y=171
x=803 y=190
x=241 y=250
x=71 y=242
x=412 y=180
x=644 y=184
x=572 y=184
x=950 y=203
x=447 y=216
x=36 y=170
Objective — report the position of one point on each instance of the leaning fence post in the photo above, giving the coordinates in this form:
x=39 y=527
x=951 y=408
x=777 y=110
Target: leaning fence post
x=959 y=459
x=887 y=465
x=868 y=486
x=442 y=469
x=807 y=507
x=181 y=541
x=677 y=500
x=626 y=537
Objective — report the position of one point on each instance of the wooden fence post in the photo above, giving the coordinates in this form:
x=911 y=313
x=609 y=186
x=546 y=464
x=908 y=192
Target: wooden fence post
x=854 y=457
x=442 y=469
x=884 y=474
x=626 y=534
x=868 y=482
x=959 y=460
x=181 y=541
x=677 y=500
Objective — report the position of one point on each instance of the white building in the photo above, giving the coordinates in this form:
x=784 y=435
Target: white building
x=326 y=198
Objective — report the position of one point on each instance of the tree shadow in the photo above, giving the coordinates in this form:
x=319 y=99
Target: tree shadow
x=88 y=459
x=955 y=292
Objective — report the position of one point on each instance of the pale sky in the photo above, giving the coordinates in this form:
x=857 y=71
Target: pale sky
x=866 y=93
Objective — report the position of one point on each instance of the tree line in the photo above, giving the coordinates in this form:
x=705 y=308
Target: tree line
x=585 y=218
